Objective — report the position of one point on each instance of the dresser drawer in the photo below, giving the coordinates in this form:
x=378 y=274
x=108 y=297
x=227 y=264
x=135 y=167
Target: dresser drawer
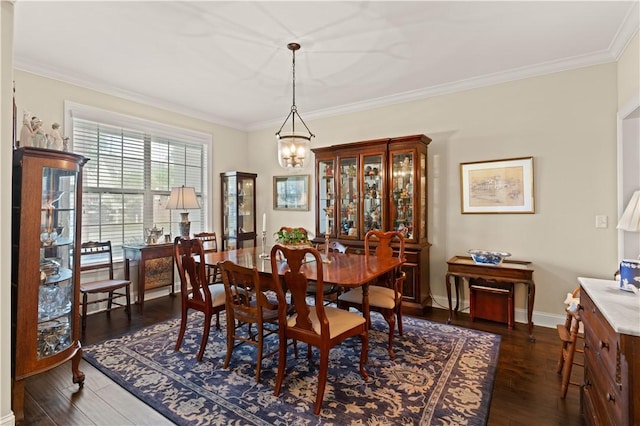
x=604 y=396
x=600 y=338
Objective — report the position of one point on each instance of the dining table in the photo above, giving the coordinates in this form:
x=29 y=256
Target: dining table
x=348 y=270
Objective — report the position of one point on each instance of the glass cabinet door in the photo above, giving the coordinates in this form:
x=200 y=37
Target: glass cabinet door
x=402 y=208
x=56 y=289
x=238 y=210
x=229 y=213
x=373 y=196
x=326 y=197
x=348 y=187
x=246 y=207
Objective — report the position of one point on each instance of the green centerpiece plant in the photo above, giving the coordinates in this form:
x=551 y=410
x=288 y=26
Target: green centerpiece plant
x=292 y=237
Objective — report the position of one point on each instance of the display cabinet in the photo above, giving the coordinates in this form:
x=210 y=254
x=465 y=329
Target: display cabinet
x=238 y=210
x=45 y=267
x=378 y=184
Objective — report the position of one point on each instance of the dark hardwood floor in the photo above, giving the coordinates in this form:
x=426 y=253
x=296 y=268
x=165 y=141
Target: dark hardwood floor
x=526 y=389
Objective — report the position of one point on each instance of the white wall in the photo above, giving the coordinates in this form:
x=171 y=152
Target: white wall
x=6 y=106
x=566 y=121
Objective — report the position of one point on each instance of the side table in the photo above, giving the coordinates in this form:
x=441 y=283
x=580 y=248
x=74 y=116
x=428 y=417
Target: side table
x=510 y=271
x=155 y=267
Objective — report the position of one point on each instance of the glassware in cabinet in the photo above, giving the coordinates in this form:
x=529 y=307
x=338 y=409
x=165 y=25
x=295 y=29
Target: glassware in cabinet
x=402 y=189
x=326 y=197
x=373 y=192
x=348 y=197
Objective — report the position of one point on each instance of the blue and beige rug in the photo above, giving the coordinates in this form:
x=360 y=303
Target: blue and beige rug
x=442 y=375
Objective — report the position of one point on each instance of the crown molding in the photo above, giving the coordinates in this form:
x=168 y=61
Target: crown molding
x=628 y=29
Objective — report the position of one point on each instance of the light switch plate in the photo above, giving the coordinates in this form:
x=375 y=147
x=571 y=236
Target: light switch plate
x=602 y=221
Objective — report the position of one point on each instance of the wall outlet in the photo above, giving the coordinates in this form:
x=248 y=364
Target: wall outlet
x=602 y=221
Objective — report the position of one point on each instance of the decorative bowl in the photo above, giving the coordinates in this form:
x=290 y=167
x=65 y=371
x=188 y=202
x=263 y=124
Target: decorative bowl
x=484 y=257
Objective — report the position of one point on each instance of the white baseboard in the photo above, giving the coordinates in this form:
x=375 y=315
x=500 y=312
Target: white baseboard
x=8 y=420
x=542 y=319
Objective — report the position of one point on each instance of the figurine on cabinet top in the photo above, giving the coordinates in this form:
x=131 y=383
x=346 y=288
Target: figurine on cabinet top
x=54 y=139
x=26 y=133
x=39 y=139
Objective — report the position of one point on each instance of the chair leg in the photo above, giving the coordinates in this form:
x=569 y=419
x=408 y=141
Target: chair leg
x=84 y=314
x=205 y=336
x=231 y=331
x=183 y=327
x=364 y=351
x=109 y=304
x=282 y=362
x=399 y=313
x=260 y=351
x=128 y=297
x=322 y=380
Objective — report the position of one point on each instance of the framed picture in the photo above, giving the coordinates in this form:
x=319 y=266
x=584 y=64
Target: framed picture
x=500 y=186
x=291 y=192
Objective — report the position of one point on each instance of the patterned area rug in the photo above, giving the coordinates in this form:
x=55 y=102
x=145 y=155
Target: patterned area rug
x=442 y=375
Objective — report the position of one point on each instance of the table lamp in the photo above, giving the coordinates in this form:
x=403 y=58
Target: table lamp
x=630 y=221
x=183 y=198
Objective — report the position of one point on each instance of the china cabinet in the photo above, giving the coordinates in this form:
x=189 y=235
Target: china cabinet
x=238 y=210
x=45 y=267
x=378 y=184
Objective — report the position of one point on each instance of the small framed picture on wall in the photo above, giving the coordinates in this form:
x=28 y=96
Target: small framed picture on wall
x=498 y=186
x=291 y=192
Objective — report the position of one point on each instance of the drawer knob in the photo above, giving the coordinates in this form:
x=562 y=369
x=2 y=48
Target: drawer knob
x=610 y=397
x=604 y=345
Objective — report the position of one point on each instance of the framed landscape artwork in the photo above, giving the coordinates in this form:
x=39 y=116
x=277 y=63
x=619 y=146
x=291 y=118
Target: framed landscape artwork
x=499 y=186
x=291 y=192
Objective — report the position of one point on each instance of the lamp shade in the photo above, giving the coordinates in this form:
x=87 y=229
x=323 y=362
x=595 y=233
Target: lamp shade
x=182 y=198
x=630 y=220
x=293 y=150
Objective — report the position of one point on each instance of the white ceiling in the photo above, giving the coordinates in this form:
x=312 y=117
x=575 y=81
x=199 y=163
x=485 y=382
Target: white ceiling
x=228 y=62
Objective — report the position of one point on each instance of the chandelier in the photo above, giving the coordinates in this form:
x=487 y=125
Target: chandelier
x=293 y=146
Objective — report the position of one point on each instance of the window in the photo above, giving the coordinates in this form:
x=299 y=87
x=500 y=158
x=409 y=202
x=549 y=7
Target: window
x=133 y=164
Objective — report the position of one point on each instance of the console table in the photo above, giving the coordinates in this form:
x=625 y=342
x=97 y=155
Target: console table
x=509 y=271
x=155 y=267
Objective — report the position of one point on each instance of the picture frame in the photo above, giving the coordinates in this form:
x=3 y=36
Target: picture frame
x=291 y=192
x=497 y=186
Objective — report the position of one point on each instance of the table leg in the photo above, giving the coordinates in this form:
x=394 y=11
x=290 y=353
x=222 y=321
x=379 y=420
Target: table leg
x=447 y=284
x=531 y=291
x=141 y=275
x=366 y=313
x=457 y=281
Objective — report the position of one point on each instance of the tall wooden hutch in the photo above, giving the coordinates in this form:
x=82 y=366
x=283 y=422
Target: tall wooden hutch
x=378 y=184
x=45 y=266
x=238 y=210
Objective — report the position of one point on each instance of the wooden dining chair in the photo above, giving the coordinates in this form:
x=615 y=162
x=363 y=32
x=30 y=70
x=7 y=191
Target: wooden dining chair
x=571 y=335
x=210 y=245
x=246 y=306
x=317 y=325
x=330 y=291
x=385 y=296
x=195 y=291
x=97 y=256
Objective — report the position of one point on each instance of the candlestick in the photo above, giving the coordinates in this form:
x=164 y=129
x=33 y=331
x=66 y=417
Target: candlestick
x=264 y=254
x=264 y=222
x=326 y=247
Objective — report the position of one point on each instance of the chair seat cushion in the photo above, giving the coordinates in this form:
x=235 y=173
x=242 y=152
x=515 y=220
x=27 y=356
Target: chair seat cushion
x=217 y=294
x=340 y=320
x=381 y=297
x=103 y=286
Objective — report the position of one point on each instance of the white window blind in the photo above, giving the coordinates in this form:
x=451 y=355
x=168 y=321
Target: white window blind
x=129 y=176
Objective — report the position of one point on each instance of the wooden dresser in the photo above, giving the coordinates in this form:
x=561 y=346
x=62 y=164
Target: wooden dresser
x=611 y=318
